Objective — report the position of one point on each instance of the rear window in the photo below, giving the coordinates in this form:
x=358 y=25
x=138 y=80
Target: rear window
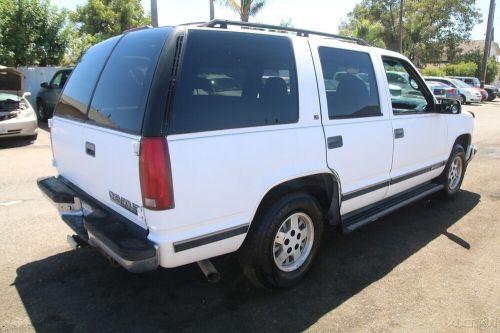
x=78 y=91
x=121 y=94
x=234 y=80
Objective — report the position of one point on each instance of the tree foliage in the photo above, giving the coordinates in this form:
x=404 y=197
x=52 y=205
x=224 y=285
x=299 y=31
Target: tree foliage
x=429 y=28
x=32 y=32
x=106 y=18
x=373 y=33
x=476 y=57
x=245 y=8
x=433 y=71
x=461 y=69
x=98 y=20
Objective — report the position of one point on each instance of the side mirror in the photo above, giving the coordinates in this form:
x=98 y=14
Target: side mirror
x=44 y=85
x=449 y=106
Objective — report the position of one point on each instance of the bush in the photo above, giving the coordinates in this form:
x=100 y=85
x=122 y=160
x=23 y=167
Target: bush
x=461 y=69
x=433 y=71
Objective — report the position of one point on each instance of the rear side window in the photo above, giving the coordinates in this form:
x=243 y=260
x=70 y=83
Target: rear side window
x=121 y=94
x=351 y=87
x=234 y=80
x=78 y=91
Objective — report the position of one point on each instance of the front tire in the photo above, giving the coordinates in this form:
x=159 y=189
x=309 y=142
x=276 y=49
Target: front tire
x=281 y=245
x=463 y=99
x=41 y=111
x=454 y=172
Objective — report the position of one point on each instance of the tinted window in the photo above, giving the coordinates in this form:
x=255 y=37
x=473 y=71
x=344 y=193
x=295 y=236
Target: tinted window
x=121 y=94
x=351 y=88
x=234 y=80
x=78 y=91
x=406 y=94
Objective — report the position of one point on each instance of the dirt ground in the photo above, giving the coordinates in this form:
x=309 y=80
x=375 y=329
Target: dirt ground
x=431 y=267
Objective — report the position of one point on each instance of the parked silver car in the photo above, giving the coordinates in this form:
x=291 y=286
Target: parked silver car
x=17 y=117
x=48 y=95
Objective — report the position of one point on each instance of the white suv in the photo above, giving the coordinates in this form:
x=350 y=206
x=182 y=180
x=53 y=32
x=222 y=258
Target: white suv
x=161 y=165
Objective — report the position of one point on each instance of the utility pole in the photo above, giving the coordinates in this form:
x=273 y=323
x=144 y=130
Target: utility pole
x=154 y=13
x=487 y=42
x=211 y=9
x=401 y=27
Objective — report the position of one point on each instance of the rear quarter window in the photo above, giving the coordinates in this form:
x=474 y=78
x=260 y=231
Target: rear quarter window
x=234 y=80
x=78 y=90
x=120 y=98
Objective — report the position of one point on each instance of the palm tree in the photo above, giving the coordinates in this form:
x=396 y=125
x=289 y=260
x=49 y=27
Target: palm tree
x=211 y=9
x=245 y=8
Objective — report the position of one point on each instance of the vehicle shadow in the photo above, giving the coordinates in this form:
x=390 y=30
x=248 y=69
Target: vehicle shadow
x=77 y=290
x=6 y=143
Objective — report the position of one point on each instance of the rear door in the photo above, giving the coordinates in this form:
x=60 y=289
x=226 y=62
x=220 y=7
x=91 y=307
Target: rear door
x=110 y=137
x=357 y=127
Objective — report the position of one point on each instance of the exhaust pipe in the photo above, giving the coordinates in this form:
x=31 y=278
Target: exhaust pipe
x=209 y=271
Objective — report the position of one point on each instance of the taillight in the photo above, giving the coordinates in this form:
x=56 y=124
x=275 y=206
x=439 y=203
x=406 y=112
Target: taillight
x=156 y=174
x=452 y=91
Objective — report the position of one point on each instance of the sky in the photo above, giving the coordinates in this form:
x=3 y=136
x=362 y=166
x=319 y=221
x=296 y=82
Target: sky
x=321 y=15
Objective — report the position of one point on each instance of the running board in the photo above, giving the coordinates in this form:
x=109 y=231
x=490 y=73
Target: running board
x=358 y=218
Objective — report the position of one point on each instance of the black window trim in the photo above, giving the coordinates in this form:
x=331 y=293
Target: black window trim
x=421 y=83
x=380 y=114
x=169 y=109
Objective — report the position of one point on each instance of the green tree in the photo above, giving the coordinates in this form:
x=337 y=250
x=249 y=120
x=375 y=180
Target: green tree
x=461 y=69
x=102 y=19
x=373 y=33
x=245 y=8
x=433 y=71
x=32 y=32
x=428 y=27
x=476 y=57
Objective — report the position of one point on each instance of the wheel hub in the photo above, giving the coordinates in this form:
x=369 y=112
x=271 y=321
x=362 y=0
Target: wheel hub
x=293 y=242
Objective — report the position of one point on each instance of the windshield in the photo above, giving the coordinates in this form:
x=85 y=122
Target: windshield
x=460 y=84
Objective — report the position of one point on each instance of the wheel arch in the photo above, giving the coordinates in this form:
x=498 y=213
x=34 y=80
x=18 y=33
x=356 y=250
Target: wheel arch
x=325 y=187
x=464 y=140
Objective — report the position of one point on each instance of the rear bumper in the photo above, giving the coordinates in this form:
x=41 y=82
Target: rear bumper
x=116 y=236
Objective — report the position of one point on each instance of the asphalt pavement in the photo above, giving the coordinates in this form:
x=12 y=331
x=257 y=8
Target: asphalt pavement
x=433 y=266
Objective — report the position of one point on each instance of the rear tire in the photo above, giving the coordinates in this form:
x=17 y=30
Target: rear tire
x=453 y=174
x=282 y=244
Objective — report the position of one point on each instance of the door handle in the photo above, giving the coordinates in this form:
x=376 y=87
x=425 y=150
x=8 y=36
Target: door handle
x=90 y=148
x=335 y=142
x=399 y=133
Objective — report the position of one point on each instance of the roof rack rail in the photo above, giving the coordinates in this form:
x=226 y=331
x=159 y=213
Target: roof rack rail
x=223 y=24
x=137 y=29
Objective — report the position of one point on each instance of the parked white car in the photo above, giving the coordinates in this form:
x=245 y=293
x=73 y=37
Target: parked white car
x=157 y=174
x=17 y=117
x=468 y=94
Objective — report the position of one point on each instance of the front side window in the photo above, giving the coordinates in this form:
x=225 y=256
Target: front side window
x=407 y=96
x=234 y=80
x=56 y=80
x=350 y=84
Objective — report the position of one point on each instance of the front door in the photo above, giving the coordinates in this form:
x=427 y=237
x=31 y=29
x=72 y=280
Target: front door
x=420 y=134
